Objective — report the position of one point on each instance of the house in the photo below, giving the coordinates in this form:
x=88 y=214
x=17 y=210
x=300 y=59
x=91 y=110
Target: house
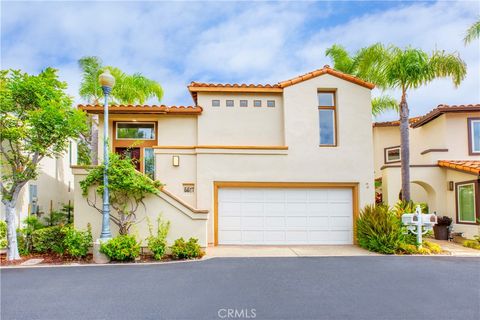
x=287 y=163
x=50 y=191
x=444 y=163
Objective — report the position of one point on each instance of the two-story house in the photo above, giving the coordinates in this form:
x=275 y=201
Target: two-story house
x=444 y=163
x=288 y=163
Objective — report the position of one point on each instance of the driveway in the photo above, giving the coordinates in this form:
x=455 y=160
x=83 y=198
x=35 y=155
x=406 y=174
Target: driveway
x=377 y=287
x=288 y=251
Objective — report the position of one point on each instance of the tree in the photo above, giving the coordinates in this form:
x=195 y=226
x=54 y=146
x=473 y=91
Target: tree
x=404 y=69
x=128 y=89
x=36 y=121
x=127 y=190
x=472 y=33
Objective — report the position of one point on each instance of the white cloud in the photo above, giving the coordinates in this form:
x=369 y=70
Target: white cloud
x=175 y=43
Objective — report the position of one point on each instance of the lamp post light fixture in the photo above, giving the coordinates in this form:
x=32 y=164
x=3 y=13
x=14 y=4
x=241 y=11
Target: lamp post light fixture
x=107 y=81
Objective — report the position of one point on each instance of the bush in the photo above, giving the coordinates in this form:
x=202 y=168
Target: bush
x=157 y=244
x=121 y=248
x=24 y=235
x=49 y=239
x=3 y=234
x=379 y=229
x=403 y=206
x=76 y=242
x=433 y=247
x=186 y=250
x=444 y=221
x=474 y=244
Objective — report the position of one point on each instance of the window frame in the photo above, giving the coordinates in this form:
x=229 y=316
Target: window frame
x=136 y=122
x=334 y=109
x=470 y=122
x=259 y=106
x=213 y=104
x=476 y=200
x=246 y=103
x=154 y=162
x=385 y=154
x=272 y=101
x=229 y=100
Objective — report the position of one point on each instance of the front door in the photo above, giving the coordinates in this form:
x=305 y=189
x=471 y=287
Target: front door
x=131 y=153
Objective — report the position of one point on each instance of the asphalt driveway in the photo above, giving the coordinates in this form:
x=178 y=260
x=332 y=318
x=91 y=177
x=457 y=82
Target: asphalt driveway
x=380 y=288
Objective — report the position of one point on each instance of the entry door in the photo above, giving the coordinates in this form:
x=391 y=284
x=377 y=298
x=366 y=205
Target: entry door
x=283 y=216
x=131 y=153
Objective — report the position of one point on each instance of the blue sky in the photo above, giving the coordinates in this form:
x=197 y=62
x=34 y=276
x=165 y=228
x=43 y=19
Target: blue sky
x=175 y=43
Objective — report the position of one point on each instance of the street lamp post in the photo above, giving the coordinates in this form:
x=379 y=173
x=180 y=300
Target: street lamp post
x=107 y=81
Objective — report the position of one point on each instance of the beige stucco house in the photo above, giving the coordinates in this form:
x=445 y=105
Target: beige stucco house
x=288 y=163
x=444 y=163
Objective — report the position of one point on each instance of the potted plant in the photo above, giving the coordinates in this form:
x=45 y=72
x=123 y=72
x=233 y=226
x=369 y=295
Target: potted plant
x=441 y=229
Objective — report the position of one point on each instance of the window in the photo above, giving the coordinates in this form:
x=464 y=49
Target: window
x=243 y=103
x=135 y=131
x=474 y=136
x=229 y=103
x=327 y=119
x=392 y=154
x=149 y=163
x=257 y=103
x=271 y=103
x=466 y=202
x=215 y=103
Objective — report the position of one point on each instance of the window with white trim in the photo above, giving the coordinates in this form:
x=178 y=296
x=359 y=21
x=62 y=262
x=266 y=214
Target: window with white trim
x=327 y=119
x=466 y=202
x=392 y=154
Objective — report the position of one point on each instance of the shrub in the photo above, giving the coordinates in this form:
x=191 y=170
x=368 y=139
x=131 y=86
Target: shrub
x=379 y=229
x=474 y=244
x=49 y=239
x=403 y=206
x=121 y=248
x=55 y=218
x=444 y=221
x=433 y=247
x=77 y=242
x=3 y=234
x=24 y=235
x=186 y=250
x=158 y=243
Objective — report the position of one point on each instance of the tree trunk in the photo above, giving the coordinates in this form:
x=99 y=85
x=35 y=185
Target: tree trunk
x=405 y=147
x=12 y=246
x=94 y=141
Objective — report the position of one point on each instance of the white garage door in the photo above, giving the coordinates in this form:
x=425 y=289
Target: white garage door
x=285 y=216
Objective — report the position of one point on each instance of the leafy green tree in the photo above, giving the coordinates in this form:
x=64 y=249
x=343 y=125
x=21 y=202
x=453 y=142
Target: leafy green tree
x=391 y=67
x=127 y=190
x=472 y=33
x=36 y=121
x=128 y=89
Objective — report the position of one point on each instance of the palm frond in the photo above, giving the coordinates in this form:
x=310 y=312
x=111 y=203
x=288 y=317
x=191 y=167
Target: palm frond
x=371 y=62
x=342 y=61
x=472 y=33
x=448 y=65
x=89 y=87
x=384 y=103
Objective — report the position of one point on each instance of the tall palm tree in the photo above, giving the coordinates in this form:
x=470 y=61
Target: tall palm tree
x=473 y=32
x=404 y=69
x=128 y=89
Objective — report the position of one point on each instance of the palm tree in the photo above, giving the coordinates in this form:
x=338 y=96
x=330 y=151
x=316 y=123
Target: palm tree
x=473 y=32
x=403 y=69
x=128 y=89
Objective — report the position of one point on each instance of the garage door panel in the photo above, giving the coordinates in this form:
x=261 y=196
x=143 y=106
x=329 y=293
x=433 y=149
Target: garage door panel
x=285 y=216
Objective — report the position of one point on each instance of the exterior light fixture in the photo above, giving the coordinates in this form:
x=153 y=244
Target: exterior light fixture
x=450 y=186
x=175 y=161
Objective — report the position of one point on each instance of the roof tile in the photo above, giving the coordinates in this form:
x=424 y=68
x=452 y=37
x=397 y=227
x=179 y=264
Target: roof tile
x=159 y=109
x=469 y=166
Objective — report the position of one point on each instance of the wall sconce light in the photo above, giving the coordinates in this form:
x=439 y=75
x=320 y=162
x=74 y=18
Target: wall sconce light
x=175 y=161
x=450 y=186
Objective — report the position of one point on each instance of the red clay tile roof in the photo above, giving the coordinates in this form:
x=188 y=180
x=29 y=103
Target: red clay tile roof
x=443 y=108
x=469 y=166
x=195 y=87
x=149 y=109
x=395 y=123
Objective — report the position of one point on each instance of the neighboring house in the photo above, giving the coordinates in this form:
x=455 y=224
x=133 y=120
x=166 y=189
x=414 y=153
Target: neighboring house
x=288 y=163
x=52 y=188
x=444 y=163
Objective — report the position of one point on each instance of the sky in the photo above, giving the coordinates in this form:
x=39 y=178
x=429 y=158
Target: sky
x=175 y=43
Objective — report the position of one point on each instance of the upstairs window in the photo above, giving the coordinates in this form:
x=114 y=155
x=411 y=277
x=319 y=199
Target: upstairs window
x=392 y=154
x=215 y=103
x=474 y=136
x=135 y=131
x=230 y=103
x=271 y=103
x=327 y=119
x=243 y=103
x=257 y=103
